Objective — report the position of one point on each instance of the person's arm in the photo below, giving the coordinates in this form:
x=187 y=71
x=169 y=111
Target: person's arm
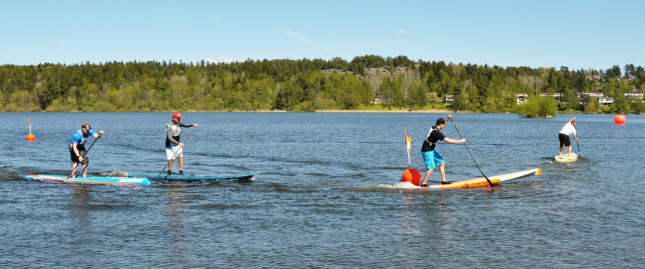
x=78 y=154
x=575 y=130
x=454 y=141
x=95 y=134
x=169 y=132
x=187 y=125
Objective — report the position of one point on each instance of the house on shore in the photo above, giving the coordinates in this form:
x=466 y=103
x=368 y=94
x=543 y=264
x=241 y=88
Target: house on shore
x=521 y=98
x=449 y=98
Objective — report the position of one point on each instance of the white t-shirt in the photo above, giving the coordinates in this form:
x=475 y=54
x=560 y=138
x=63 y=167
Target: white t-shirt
x=568 y=129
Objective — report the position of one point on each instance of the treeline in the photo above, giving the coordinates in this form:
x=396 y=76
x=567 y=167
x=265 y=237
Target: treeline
x=306 y=85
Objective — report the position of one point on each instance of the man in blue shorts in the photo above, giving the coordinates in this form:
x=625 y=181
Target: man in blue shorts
x=431 y=157
x=77 y=151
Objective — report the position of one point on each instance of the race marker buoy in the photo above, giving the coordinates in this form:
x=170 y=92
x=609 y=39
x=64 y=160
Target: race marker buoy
x=30 y=137
x=412 y=175
x=619 y=119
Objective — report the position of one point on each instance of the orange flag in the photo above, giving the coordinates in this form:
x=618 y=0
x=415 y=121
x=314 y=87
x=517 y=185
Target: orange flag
x=408 y=140
x=29 y=121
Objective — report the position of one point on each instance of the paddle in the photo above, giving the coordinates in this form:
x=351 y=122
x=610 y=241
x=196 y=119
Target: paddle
x=471 y=154
x=577 y=141
x=88 y=150
x=173 y=156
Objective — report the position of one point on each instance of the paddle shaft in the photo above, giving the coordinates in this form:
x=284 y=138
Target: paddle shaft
x=471 y=154
x=86 y=151
x=578 y=145
x=175 y=154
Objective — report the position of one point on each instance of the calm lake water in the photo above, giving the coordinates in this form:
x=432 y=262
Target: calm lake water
x=325 y=194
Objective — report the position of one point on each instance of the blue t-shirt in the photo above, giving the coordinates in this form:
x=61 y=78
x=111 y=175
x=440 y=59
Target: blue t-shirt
x=79 y=137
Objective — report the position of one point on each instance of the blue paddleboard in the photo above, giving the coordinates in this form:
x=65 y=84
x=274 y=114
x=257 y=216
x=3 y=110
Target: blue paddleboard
x=92 y=180
x=176 y=177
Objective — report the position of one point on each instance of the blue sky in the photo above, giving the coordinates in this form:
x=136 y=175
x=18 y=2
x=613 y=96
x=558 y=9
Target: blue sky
x=545 y=33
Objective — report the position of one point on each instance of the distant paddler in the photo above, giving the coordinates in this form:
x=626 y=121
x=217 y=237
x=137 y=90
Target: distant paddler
x=568 y=129
x=174 y=148
x=77 y=151
x=431 y=157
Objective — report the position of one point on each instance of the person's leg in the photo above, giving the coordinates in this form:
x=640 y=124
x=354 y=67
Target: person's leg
x=442 y=170
x=74 y=160
x=74 y=168
x=170 y=153
x=427 y=176
x=563 y=142
x=181 y=164
x=428 y=160
x=441 y=163
x=85 y=166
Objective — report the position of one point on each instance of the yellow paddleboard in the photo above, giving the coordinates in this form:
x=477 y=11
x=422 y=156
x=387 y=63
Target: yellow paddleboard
x=566 y=159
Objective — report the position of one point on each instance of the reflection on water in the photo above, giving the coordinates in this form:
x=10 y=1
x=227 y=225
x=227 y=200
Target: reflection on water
x=81 y=234
x=175 y=227
x=410 y=223
x=79 y=202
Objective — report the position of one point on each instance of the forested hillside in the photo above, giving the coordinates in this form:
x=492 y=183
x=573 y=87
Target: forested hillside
x=307 y=85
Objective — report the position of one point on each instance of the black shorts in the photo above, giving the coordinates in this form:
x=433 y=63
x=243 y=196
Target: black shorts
x=82 y=151
x=564 y=140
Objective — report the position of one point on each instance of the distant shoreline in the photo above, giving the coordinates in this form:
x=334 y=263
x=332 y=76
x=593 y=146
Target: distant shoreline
x=388 y=111
x=395 y=111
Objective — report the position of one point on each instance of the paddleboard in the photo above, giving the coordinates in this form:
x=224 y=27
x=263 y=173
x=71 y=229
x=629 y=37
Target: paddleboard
x=175 y=177
x=92 y=180
x=565 y=158
x=482 y=182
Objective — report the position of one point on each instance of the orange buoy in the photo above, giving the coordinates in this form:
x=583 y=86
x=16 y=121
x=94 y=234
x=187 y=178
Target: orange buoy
x=619 y=119
x=412 y=175
x=31 y=137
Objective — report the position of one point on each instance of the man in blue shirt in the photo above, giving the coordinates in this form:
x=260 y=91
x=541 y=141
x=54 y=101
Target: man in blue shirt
x=77 y=151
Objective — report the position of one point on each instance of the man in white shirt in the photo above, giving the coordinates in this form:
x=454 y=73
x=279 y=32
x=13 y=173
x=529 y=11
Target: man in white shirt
x=567 y=130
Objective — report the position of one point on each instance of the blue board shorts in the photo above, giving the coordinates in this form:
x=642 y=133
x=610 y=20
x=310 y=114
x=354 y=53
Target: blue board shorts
x=432 y=159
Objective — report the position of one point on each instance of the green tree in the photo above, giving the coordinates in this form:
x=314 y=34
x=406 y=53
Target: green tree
x=289 y=95
x=538 y=107
x=591 y=105
x=417 y=95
